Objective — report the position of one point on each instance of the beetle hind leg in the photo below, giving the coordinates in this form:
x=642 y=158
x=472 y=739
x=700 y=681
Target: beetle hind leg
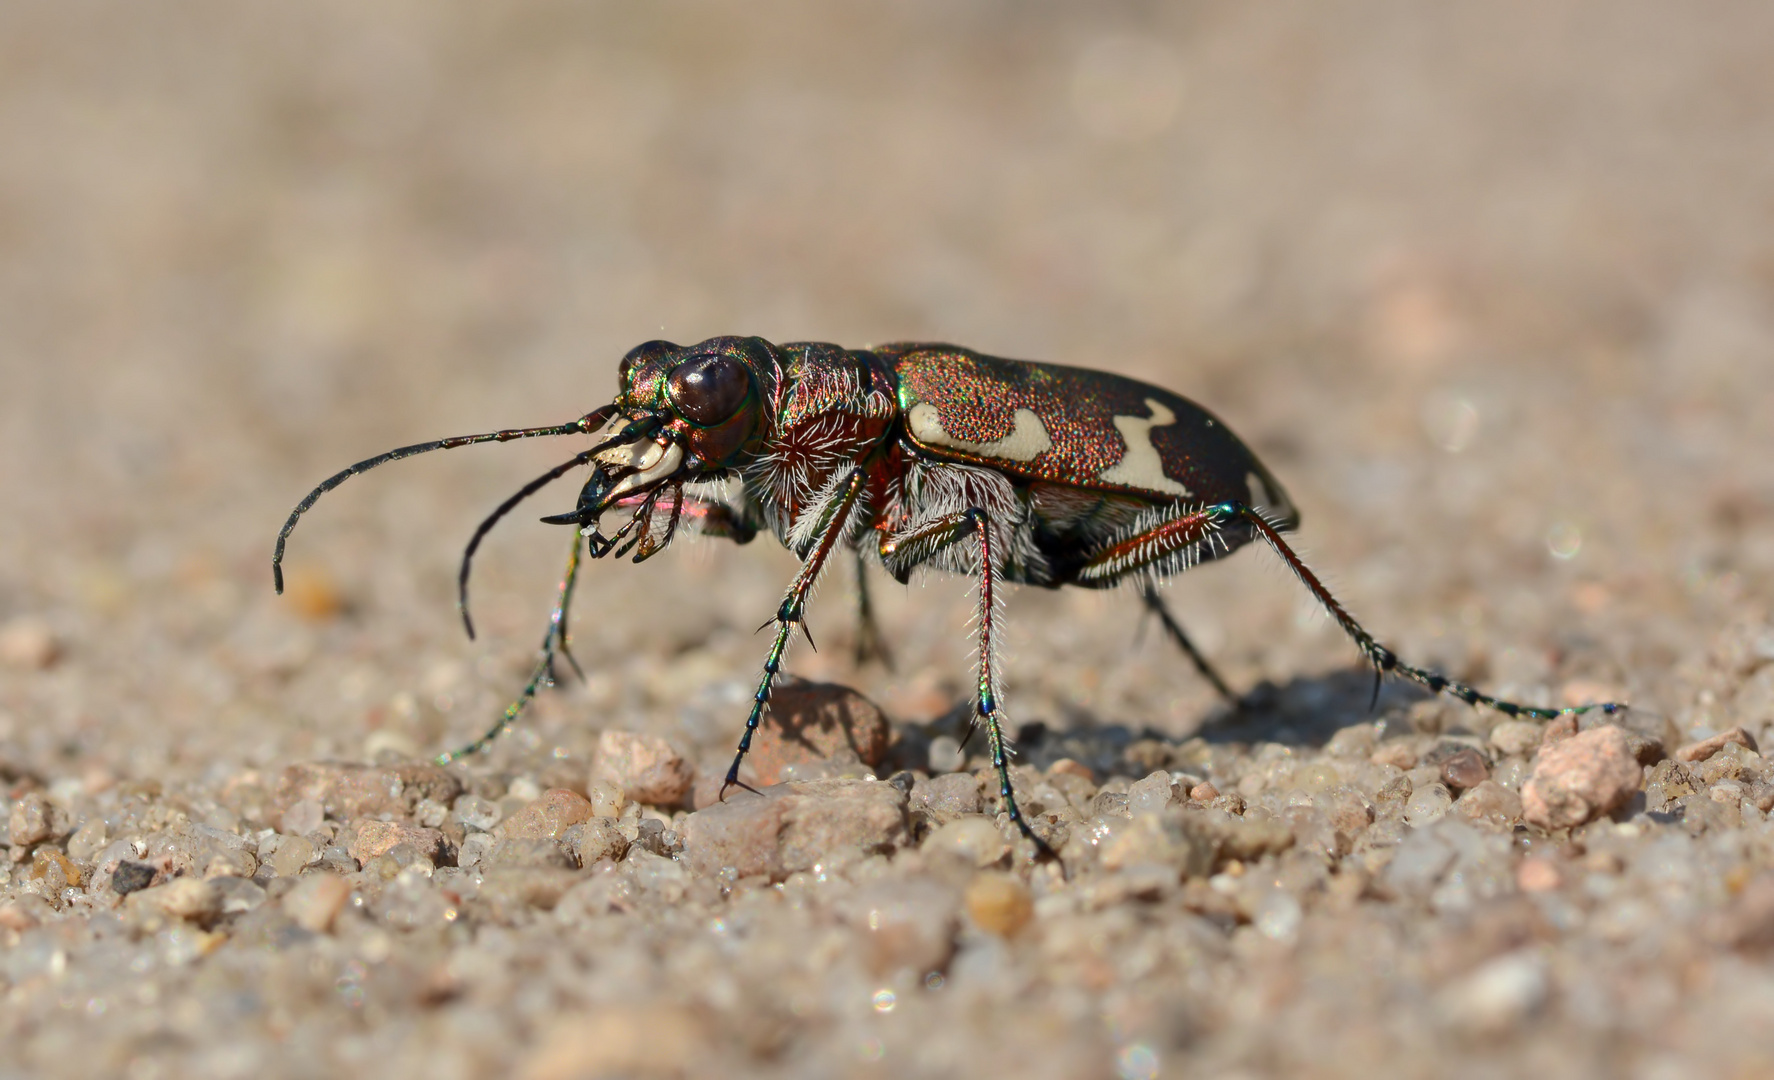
x=1175 y=537
x=554 y=643
x=871 y=644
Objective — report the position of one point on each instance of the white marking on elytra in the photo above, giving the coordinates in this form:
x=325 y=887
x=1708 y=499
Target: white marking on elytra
x=1028 y=436
x=1141 y=467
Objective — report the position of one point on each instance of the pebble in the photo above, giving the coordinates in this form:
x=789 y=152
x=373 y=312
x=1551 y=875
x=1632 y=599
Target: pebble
x=303 y=817
x=1581 y=778
x=187 y=898
x=999 y=904
x=548 y=818
x=796 y=826
x=314 y=904
x=1490 y=803
x=1498 y=995
x=1748 y=922
x=598 y=838
x=645 y=768
x=1399 y=755
x=1465 y=769
x=294 y=855
x=1151 y=794
x=35 y=819
x=1185 y=840
x=1538 y=874
x=808 y=723
x=1067 y=767
x=347 y=791
x=1427 y=805
x=906 y=924
x=1204 y=792
x=1517 y=738
x=131 y=877
x=1558 y=730
x=1706 y=748
x=369 y=839
x=974 y=840
x=28 y=643
x=649 y=1040
x=945 y=798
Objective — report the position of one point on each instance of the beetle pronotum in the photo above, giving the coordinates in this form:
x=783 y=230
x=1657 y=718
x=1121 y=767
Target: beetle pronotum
x=919 y=456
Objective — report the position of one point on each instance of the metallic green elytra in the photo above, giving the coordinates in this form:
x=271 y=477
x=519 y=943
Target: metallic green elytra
x=913 y=456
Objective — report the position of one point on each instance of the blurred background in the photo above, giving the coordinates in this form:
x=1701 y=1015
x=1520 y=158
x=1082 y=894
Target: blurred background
x=1489 y=285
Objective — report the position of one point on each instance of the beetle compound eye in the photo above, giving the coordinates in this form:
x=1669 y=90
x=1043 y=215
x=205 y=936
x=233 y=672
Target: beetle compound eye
x=710 y=389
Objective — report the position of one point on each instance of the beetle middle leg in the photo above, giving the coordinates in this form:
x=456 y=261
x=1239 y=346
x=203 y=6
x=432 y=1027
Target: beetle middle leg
x=553 y=642
x=1169 y=544
x=832 y=524
x=1174 y=630
x=920 y=542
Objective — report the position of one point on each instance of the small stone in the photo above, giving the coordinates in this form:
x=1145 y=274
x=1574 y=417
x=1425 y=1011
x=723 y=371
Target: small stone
x=1580 y=778
x=187 y=898
x=530 y=852
x=1067 y=767
x=35 y=819
x=314 y=904
x=907 y=924
x=809 y=723
x=1151 y=794
x=974 y=840
x=131 y=877
x=644 y=767
x=599 y=838
x=509 y=889
x=1427 y=805
x=1396 y=754
x=651 y=1040
x=1537 y=874
x=1277 y=916
x=1465 y=769
x=607 y=799
x=1706 y=748
x=999 y=904
x=347 y=791
x=792 y=827
x=1498 y=995
x=945 y=755
x=302 y=817
x=1204 y=792
x=1748 y=922
x=25 y=912
x=476 y=812
x=28 y=643
x=548 y=818
x=1181 y=839
x=294 y=855
x=368 y=839
x=1517 y=738
x=1560 y=729
x=945 y=798
x=1490 y=803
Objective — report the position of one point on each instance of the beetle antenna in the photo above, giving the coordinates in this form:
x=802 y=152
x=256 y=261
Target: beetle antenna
x=589 y=422
x=500 y=511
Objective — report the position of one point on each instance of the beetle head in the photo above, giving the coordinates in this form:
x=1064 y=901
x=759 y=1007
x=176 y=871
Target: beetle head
x=683 y=413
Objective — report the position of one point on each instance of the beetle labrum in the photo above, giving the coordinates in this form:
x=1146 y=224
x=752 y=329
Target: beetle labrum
x=918 y=456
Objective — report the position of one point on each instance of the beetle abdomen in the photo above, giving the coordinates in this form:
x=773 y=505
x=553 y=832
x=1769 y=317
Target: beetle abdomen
x=1087 y=429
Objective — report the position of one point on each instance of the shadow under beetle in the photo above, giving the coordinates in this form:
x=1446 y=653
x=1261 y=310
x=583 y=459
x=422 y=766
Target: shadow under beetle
x=921 y=456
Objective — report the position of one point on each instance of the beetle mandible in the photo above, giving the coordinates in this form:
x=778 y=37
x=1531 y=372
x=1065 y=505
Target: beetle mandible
x=917 y=455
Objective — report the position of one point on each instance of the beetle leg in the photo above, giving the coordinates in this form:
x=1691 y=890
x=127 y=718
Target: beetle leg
x=1174 y=630
x=920 y=542
x=1176 y=536
x=870 y=643
x=834 y=521
x=555 y=640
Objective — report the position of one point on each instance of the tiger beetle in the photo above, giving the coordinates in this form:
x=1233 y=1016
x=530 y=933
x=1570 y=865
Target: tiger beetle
x=919 y=456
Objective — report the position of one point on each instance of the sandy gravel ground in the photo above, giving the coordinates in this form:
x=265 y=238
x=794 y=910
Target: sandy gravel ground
x=1490 y=286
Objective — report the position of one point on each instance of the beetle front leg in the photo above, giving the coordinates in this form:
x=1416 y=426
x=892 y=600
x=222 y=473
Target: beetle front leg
x=833 y=521
x=921 y=542
x=1170 y=540
x=555 y=640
